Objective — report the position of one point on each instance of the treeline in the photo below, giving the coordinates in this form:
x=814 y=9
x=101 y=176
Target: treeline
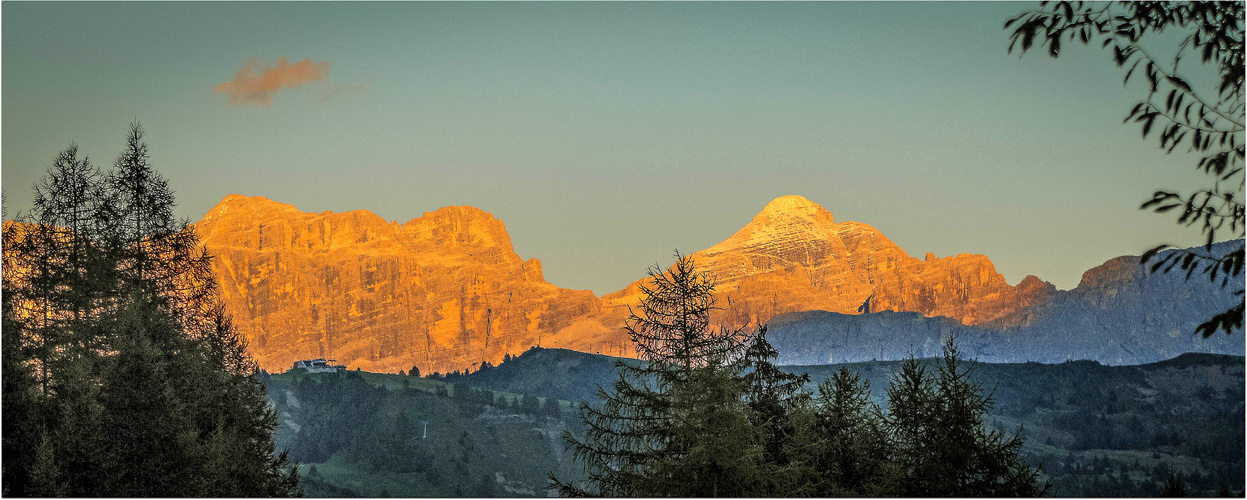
x=1114 y=430
x=710 y=415
x=529 y=401
x=122 y=374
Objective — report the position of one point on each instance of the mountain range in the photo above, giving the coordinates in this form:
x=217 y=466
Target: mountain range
x=446 y=291
x=1118 y=314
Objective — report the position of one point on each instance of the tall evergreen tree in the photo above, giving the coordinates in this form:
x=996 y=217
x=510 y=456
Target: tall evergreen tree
x=672 y=326
x=852 y=451
x=640 y=440
x=22 y=401
x=713 y=449
x=772 y=394
x=154 y=251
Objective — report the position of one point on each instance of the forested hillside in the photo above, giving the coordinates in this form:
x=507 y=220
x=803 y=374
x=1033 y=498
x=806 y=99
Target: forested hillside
x=1097 y=430
x=368 y=434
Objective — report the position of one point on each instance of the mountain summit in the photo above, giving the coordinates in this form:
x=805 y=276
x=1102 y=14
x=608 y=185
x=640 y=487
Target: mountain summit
x=793 y=256
x=794 y=206
x=784 y=222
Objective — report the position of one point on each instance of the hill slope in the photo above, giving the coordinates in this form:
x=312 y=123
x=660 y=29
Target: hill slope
x=1098 y=430
x=360 y=434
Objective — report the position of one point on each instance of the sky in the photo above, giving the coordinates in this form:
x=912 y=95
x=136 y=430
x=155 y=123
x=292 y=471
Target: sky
x=606 y=135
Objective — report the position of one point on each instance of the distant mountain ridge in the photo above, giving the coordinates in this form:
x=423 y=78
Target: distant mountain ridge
x=446 y=291
x=1118 y=314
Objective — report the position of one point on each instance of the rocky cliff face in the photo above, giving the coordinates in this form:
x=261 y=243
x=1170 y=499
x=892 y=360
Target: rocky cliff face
x=793 y=256
x=443 y=291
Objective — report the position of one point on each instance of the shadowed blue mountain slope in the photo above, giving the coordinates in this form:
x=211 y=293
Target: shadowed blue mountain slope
x=1119 y=314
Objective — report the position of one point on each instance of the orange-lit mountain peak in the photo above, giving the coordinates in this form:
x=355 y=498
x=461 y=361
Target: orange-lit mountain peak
x=786 y=223
x=792 y=214
x=247 y=204
x=793 y=256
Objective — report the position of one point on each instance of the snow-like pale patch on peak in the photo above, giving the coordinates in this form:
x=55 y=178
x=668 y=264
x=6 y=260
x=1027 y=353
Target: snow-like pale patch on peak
x=795 y=205
x=783 y=220
x=789 y=202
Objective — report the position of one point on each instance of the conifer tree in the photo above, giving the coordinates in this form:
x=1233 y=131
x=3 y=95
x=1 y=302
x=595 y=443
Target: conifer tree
x=155 y=252
x=1173 y=487
x=22 y=402
x=940 y=442
x=772 y=394
x=713 y=448
x=639 y=441
x=853 y=452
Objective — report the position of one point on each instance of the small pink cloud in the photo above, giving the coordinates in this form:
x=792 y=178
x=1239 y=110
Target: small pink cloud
x=257 y=81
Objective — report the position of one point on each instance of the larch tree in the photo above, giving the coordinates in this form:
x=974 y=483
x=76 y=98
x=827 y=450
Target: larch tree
x=851 y=451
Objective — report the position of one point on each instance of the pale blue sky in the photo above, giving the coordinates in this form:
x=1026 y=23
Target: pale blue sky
x=606 y=135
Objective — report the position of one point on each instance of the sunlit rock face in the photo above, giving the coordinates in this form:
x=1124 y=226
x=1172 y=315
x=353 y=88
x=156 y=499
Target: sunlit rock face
x=793 y=256
x=443 y=291
x=446 y=290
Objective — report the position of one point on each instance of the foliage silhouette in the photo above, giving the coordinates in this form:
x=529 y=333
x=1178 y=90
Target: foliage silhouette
x=1209 y=121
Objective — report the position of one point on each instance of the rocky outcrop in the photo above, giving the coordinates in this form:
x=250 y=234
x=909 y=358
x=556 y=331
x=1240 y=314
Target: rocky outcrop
x=793 y=256
x=443 y=291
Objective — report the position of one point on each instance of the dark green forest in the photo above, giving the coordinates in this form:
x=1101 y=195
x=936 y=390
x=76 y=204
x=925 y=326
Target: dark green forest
x=1097 y=430
x=122 y=374
x=1081 y=421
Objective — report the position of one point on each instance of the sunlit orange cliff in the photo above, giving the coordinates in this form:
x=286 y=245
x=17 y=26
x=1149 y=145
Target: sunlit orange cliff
x=446 y=290
x=442 y=291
